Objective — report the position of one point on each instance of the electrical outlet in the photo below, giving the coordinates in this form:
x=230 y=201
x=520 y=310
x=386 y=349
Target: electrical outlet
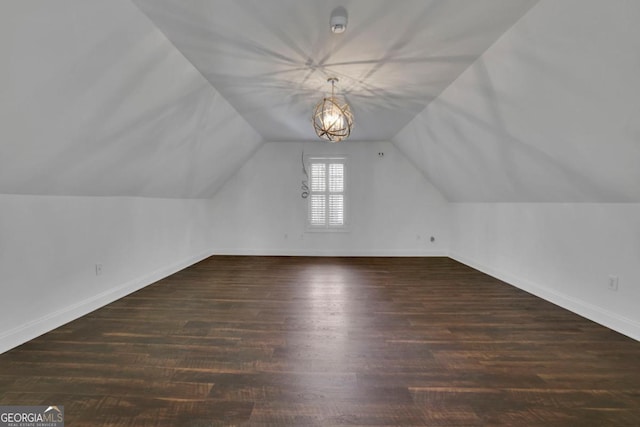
x=98 y=269
x=613 y=283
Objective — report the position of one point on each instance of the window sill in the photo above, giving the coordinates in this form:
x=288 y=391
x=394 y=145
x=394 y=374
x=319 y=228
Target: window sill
x=327 y=230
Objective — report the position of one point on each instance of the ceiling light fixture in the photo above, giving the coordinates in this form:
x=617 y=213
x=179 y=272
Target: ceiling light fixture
x=332 y=118
x=338 y=20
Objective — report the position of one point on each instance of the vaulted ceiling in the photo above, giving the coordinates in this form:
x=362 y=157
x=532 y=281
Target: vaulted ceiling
x=271 y=59
x=97 y=102
x=492 y=100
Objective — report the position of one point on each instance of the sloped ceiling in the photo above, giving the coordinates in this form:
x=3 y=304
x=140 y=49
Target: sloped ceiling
x=95 y=101
x=271 y=59
x=550 y=113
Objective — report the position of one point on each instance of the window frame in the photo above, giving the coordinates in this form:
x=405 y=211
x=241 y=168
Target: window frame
x=327 y=160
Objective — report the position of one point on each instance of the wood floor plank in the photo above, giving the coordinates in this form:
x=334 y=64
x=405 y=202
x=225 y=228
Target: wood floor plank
x=300 y=341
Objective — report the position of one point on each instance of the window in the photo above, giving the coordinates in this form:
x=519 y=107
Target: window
x=326 y=209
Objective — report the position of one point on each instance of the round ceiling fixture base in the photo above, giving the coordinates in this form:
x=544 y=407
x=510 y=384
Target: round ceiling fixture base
x=338 y=20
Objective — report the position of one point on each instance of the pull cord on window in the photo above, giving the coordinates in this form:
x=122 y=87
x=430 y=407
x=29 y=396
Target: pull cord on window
x=305 y=182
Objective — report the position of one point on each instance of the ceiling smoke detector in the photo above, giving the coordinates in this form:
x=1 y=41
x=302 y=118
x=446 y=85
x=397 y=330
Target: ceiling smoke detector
x=338 y=20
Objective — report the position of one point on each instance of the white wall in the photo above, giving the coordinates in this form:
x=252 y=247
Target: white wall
x=550 y=113
x=95 y=101
x=49 y=247
x=564 y=253
x=392 y=208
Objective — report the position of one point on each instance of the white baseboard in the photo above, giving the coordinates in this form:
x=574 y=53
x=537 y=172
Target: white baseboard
x=327 y=253
x=30 y=330
x=597 y=314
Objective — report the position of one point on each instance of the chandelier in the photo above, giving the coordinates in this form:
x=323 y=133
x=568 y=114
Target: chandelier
x=332 y=118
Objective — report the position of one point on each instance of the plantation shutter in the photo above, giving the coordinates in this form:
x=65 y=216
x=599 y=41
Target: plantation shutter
x=327 y=193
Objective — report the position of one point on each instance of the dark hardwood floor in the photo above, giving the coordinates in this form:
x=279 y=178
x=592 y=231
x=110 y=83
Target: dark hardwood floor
x=285 y=341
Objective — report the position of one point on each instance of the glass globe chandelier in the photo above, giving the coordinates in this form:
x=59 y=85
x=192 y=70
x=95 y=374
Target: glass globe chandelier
x=332 y=117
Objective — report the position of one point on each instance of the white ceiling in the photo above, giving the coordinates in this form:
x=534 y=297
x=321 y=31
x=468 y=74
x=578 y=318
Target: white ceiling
x=95 y=101
x=550 y=112
x=270 y=59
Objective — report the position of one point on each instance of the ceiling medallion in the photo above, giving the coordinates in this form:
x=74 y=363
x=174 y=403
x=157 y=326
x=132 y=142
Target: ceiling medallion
x=332 y=117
